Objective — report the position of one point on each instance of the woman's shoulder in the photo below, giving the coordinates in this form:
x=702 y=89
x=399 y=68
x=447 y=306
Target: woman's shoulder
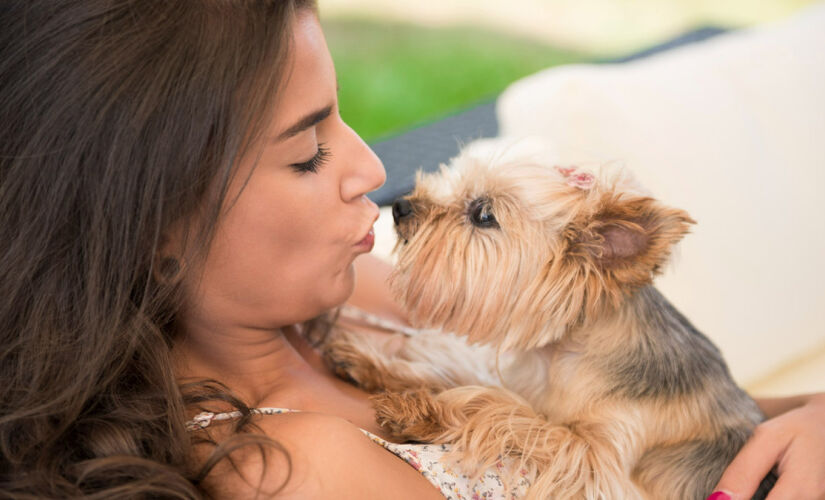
x=317 y=456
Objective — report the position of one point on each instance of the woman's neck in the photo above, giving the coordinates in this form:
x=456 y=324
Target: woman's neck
x=273 y=368
x=256 y=364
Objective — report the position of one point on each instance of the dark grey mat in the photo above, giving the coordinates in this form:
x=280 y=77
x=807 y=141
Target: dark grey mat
x=688 y=38
x=427 y=146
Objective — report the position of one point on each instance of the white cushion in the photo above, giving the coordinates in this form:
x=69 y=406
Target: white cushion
x=732 y=130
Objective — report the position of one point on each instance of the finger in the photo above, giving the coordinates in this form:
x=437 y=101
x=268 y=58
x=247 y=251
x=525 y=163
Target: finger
x=780 y=490
x=799 y=479
x=752 y=464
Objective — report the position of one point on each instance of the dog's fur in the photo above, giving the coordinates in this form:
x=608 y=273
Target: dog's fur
x=605 y=389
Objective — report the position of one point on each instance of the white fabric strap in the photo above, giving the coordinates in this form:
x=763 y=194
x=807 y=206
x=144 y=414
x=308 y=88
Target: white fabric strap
x=203 y=419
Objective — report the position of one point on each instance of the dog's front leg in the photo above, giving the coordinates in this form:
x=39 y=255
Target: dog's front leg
x=580 y=460
x=396 y=363
x=369 y=361
x=481 y=420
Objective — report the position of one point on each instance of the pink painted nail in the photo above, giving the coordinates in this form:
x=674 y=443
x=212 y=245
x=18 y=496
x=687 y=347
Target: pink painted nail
x=719 y=495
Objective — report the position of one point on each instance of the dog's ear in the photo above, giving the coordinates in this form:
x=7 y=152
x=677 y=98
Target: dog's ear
x=628 y=239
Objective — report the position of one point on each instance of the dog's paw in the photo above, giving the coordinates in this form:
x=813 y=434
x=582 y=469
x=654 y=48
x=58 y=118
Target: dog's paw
x=409 y=415
x=351 y=359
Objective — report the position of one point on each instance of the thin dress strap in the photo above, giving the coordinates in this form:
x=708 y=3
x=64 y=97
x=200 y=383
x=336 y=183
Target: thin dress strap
x=203 y=419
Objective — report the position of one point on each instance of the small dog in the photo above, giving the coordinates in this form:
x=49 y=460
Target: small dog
x=584 y=370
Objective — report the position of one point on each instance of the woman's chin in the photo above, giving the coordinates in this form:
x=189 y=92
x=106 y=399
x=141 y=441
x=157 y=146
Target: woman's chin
x=342 y=289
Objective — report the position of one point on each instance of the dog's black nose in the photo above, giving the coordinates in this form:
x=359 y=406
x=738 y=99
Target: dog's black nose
x=401 y=208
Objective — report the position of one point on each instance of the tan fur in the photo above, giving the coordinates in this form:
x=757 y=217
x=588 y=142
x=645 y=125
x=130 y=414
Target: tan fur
x=605 y=389
x=435 y=361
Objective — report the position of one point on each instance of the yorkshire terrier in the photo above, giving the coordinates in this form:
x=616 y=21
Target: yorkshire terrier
x=573 y=362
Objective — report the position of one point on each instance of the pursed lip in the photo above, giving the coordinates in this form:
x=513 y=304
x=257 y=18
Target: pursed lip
x=368 y=235
x=367 y=242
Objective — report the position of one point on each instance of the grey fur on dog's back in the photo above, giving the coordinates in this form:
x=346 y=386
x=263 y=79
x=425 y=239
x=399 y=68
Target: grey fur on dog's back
x=680 y=360
x=705 y=459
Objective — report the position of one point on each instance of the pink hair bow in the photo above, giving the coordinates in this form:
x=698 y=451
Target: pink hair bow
x=577 y=178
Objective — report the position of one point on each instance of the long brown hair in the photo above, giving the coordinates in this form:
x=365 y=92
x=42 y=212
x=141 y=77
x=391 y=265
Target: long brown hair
x=117 y=118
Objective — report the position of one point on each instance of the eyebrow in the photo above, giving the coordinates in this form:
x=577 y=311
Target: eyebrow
x=304 y=123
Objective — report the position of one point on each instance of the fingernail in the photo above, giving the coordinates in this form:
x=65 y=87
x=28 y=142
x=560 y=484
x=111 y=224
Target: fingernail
x=719 y=495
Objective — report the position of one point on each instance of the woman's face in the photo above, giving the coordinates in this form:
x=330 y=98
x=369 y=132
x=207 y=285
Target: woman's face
x=283 y=251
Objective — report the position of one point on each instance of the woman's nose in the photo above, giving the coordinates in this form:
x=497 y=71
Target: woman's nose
x=365 y=173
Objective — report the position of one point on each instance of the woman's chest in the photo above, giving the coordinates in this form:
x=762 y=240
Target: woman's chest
x=328 y=396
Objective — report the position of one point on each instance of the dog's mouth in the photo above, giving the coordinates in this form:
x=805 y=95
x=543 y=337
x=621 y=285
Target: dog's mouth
x=404 y=233
x=401 y=241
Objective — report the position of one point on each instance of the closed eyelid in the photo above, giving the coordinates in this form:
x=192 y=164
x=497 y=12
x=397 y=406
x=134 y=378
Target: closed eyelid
x=311 y=165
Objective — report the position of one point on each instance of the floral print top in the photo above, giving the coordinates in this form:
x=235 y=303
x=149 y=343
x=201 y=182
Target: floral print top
x=433 y=461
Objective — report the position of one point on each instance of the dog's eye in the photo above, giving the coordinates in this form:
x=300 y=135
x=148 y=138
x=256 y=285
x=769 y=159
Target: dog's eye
x=481 y=214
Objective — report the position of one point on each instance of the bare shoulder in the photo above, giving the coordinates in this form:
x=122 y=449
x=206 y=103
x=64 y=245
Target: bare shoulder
x=319 y=456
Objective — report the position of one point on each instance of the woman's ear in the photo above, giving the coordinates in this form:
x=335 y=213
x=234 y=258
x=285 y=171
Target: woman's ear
x=627 y=239
x=169 y=261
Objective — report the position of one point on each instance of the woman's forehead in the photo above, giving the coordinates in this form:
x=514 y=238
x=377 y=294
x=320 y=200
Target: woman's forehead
x=309 y=80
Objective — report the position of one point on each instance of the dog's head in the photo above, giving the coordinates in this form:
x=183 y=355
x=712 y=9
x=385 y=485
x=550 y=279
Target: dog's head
x=516 y=252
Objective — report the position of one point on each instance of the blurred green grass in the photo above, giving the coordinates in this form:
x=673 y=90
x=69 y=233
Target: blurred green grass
x=394 y=76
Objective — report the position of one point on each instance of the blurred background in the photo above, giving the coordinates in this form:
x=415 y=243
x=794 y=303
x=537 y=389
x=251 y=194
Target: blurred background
x=724 y=130
x=405 y=63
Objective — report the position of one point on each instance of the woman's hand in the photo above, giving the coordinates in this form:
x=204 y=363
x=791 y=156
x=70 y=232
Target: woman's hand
x=793 y=441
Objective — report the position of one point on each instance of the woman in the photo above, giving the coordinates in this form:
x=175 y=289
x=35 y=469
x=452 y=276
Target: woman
x=181 y=201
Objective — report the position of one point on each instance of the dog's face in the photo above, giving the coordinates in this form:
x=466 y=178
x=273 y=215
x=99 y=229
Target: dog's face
x=516 y=253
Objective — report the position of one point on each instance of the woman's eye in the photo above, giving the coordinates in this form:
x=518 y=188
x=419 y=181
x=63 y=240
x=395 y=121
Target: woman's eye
x=315 y=162
x=481 y=214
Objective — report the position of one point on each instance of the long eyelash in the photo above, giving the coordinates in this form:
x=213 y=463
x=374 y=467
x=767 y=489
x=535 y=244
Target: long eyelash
x=315 y=162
